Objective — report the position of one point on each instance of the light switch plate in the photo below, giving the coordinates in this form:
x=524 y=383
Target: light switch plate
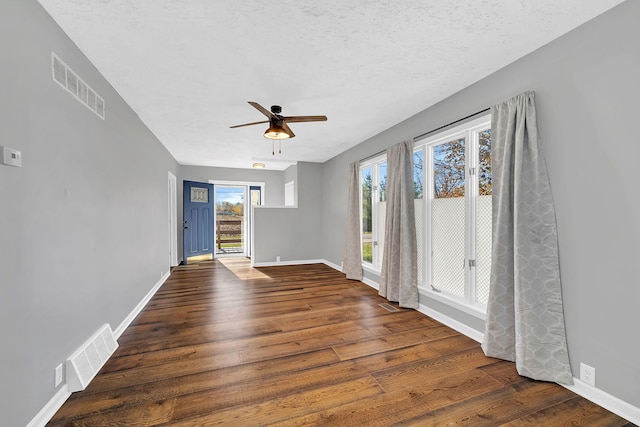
x=11 y=157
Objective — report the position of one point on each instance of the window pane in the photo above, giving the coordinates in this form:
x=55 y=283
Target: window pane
x=367 y=187
x=448 y=217
x=483 y=218
x=417 y=174
x=381 y=213
x=418 y=157
x=382 y=181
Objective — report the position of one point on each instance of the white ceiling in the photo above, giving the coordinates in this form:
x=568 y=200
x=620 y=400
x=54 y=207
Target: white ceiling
x=188 y=67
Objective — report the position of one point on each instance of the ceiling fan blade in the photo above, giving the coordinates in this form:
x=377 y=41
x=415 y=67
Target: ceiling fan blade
x=298 y=119
x=288 y=130
x=249 y=124
x=262 y=109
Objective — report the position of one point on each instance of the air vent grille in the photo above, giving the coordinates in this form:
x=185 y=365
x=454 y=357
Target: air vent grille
x=67 y=79
x=389 y=307
x=85 y=363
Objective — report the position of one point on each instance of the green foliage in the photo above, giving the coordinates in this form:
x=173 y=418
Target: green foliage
x=367 y=212
x=367 y=251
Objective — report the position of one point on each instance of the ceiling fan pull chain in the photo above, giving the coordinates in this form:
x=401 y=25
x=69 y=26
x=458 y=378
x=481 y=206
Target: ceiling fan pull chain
x=279 y=147
x=273 y=147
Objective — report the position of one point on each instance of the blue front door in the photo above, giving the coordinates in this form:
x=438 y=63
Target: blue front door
x=198 y=219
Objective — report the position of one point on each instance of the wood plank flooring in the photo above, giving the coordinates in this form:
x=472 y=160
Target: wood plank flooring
x=222 y=343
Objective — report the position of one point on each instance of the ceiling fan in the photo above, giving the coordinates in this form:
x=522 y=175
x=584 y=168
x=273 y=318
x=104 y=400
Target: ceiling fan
x=278 y=128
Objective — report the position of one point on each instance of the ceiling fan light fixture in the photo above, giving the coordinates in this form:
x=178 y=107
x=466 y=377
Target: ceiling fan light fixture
x=276 y=132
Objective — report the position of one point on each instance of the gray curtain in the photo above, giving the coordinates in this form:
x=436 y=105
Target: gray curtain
x=399 y=277
x=525 y=321
x=352 y=262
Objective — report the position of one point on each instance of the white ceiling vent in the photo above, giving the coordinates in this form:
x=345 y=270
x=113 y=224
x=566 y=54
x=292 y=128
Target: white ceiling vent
x=85 y=363
x=66 y=78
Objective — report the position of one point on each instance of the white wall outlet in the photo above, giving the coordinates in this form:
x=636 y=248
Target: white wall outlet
x=11 y=157
x=58 y=375
x=278 y=258
x=588 y=374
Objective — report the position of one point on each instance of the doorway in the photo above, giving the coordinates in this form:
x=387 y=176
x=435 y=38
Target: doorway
x=233 y=202
x=230 y=219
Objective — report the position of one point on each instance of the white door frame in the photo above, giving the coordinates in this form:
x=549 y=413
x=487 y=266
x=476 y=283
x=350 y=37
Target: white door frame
x=173 y=219
x=247 y=211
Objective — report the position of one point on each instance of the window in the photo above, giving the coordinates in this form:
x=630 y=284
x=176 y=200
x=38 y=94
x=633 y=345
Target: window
x=373 y=180
x=373 y=176
x=458 y=214
x=452 y=196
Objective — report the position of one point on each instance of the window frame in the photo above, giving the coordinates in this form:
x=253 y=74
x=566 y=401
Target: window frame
x=374 y=163
x=470 y=131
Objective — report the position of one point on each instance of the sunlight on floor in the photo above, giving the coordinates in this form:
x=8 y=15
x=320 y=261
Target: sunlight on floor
x=199 y=258
x=241 y=267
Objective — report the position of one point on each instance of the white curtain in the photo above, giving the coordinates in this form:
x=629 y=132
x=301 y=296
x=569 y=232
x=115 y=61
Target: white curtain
x=352 y=262
x=399 y=277
x=525 y=321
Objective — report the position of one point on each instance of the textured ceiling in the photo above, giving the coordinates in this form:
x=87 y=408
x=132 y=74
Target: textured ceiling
x=188 y=67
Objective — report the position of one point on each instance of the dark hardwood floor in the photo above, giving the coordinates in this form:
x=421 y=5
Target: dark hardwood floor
x=224 y=344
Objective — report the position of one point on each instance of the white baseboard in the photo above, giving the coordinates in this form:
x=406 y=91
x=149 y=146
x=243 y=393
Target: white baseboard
x=332 y=265
x=294 y=262
x=371 y=283
x=61 y=396
x=436 y=315
x=604 y=399
x=452 y=323
x=50 y=409
x=138 y=308
x=595 y=395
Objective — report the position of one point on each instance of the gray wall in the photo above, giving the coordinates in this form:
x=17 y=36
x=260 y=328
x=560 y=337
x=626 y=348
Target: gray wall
x=292 y=233
x=587 y=93
x=84 y=221
x=273 y=187
x=84 y=226
x=274 y=180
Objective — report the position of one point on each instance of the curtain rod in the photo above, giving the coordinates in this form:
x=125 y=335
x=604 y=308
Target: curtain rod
x=432 y=131
x=452 y=123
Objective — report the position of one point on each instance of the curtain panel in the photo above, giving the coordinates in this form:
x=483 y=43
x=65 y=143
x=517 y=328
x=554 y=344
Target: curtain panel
x=399 y=277
x=525 y=320
x=352 y=262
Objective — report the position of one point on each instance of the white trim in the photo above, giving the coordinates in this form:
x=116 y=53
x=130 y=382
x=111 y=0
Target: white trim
x=332 y=265
x=52 y=406
x=370 y=268
x=138 y=308
x=595 y=395
x=452 y=323
x=173 y=219
x=61 y=396
x=456 y=303
x=469 y=131
x=248 y=211
x=294 y=262
x=261 y=184
x=371 y=283
x=604 y=399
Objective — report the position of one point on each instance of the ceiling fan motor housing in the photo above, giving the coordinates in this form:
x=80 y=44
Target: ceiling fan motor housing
x=276 y=109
